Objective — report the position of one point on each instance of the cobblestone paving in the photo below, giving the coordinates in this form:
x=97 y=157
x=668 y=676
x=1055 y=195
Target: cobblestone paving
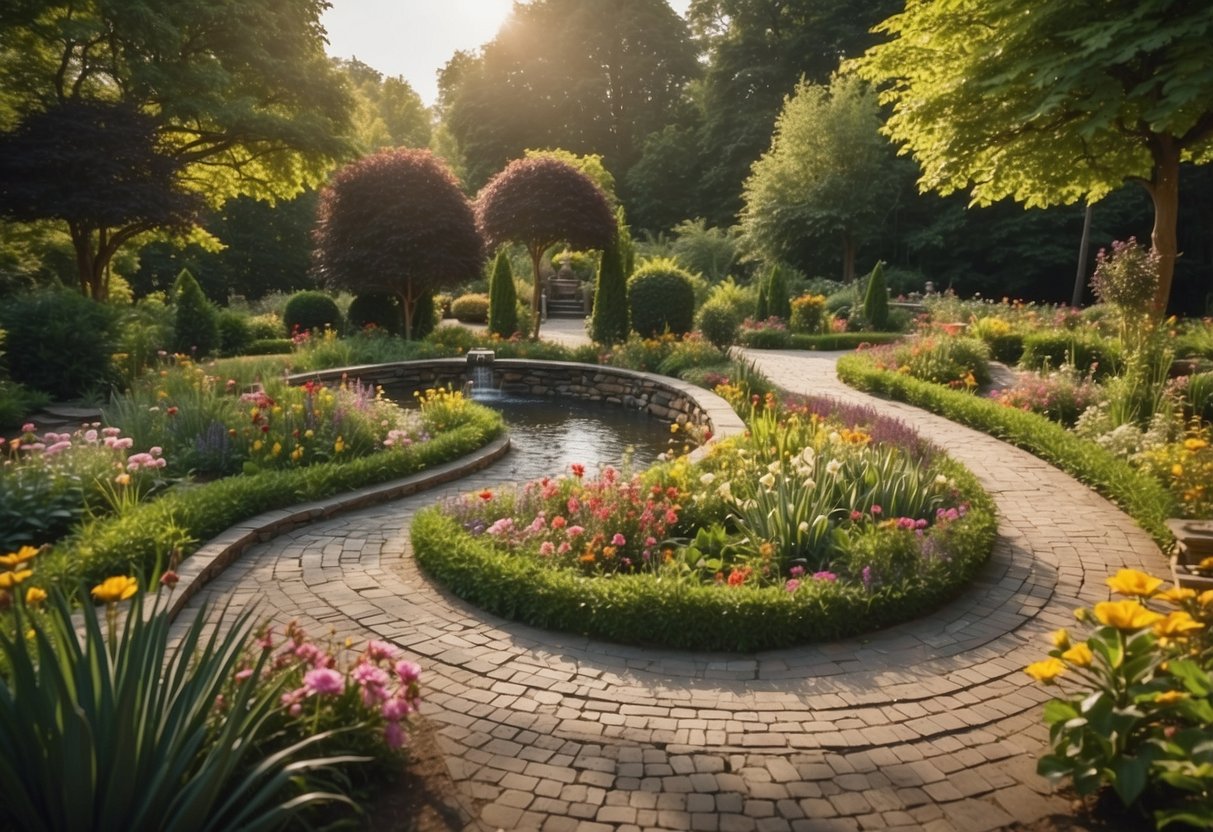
x=931 y=725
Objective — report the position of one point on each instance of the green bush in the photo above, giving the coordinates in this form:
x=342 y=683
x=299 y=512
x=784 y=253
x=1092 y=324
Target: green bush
x=310 y=310
x=503 y=298
x=779 y=301
x=196 y=322
x=842 y=340
x=1005 y=343
x=766 y=339
x=471 y=308
x=661 y=297
x=267 y=325
x=876 y=300
x=235 y=334
x=1199 y=395
x=1143 y=497
x=380 y=311
x=719 y=323
x=59 y=343
x=1049 y=349
x=690 y=353
x=609 y=321
x=425 y=315
x=808 y=314
x=269 y=346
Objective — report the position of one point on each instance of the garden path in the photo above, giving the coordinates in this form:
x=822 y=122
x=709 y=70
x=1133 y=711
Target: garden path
x=931 y=725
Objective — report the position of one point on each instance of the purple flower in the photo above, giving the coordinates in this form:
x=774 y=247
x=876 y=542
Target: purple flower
x=408 y=672
x=796 y=571
x=867 y=578
x=324 y=681
x=394 y=735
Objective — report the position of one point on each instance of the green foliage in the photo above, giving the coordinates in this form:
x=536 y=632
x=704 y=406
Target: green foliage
x=1138 y=494
x=690 y=353
x=235 y=334
x=59 y=342
x=112 y=728
x=1127 y=278
x=375 y=310
x=762 y=306
x=425 y=316
x=503 y=298
x=710 y=252
x=1138 y=715
x=772 y=339
x=196 y=322
x=311 y=310
x=719 y=322
x=471 y=308
x=661 y=298
x=876 y=300
x=1005 y=342
x=269 y=346
x=609 y=321
x=779 y=301
x=1081 y=349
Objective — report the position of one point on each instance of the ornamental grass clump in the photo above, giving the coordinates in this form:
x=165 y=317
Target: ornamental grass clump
x=1135 y=704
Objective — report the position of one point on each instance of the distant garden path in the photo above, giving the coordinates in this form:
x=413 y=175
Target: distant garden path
x=930 y=725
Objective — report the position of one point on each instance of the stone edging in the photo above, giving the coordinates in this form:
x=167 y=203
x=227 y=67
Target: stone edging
x=220 y=552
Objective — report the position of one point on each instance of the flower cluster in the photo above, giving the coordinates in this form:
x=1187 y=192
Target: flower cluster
x=1186 y=467
x=1135 y=709
x=1060 y=395
x=957 y=362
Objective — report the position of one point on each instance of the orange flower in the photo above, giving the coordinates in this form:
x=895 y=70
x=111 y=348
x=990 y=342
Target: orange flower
x=1125 y=615
x=20 y=556
x=1133 y=582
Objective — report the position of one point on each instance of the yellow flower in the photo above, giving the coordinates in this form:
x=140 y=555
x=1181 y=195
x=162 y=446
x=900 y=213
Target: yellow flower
x=20 y=556
x=1177 y=470
x=123 y=479
x=297 y=454
x=674 y=428
x=1176 y=595
x=118 y=588
x=1079 y=655
x=1195 y=444
x=8 y=580
x=309 y=434
x=1045 y=671
x=1133 y=582
x=1061 y=639
x=1205 y=598
x=257 y=444
x=1125 y=615
x=1169 y=697
x=277 y=449
x=339 y=445
x=34 y=596
x=1176 y=625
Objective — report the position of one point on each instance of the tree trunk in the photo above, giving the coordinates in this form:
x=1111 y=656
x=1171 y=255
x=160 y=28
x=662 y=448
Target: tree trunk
x=1084 y=247
x=90 y=261
x=848 y=257
x=1164 y=192
x=406 y=310
x=536 y=257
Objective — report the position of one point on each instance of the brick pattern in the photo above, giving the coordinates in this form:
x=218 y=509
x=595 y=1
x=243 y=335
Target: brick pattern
x=929 y=725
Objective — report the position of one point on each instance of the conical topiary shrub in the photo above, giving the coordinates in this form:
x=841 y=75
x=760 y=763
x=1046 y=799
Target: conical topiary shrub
x=779 y=301
x=197 y=320
x=503 y=298
x=876 y=301
x=762 y=308
x=609 y=322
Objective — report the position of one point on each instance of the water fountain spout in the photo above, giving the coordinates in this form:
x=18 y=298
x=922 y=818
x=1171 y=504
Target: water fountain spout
x=480 y=372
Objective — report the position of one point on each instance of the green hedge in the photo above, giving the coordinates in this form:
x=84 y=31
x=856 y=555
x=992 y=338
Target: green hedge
x=778 y=339
x=1143 y=497
x=642 y=609
x=270 y=346
x=138 y=540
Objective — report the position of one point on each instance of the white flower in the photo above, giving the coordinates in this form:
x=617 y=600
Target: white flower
x=775 y=467
x=833 y=467
x=767 y=480
x=803 y=527
x=835 y=437
x=725 y=491
x=808 y=455
x=707 y=479
x=941 y=480
x=810 y=484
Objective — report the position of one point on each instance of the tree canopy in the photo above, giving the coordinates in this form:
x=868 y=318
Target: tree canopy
x=541 y=201
x=829 y=174
x=1052 y=103
x=243 y=98
x=396 y=222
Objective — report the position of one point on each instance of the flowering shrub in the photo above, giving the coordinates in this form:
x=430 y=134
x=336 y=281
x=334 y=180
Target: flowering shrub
x=639 y=353
x=1186 y=468
x=1135 y=708
x=1061 y=395
x=960 y=363
x=1126 y=277
x=809 y=313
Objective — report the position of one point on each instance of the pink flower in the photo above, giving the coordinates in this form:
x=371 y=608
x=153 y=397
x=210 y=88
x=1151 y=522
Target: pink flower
x=564 y=548
x=503 y=526
x=324 y=681
x=394 y=735
x=28 y=427
x=546 y=548
x=574 y=531
x=244 y=674
x=395 y=709
x=792 y=585
x=368 y=675
x=796 y=571
x=408 y=672
x=61 y=445
x=650 y=541
x=380 y=650
x=169 y=578
x=876 y=510
x=828 y=577
x=618 y=540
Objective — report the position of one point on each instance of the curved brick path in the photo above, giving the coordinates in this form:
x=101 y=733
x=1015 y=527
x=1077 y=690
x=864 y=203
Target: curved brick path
x=932 y=725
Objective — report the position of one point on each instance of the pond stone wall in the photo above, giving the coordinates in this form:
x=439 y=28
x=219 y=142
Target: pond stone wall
x=665 y=398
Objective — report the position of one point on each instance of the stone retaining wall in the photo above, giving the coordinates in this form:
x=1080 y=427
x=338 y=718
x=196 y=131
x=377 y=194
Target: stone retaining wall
x=665 y=398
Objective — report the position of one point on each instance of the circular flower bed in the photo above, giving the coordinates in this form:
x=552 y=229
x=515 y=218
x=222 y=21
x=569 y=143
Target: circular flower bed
x=820 y=522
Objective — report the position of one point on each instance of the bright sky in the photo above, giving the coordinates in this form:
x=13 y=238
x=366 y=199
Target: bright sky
x=415 y=38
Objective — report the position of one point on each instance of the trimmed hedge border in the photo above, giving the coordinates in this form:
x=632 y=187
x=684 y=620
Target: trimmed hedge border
x=240 y=511
x=772 y=340
x=647 y=611
x=1141 y=496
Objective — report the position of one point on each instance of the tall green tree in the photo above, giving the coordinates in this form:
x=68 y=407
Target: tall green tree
x=829 y=175
x=609 y=322
x=757 y=52
x=1052 y=103
x=590 y=76
x=503 y=297
x=388 y=112
x=242 y=97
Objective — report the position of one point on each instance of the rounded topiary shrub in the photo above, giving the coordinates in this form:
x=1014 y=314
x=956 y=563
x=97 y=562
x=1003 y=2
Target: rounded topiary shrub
x=471 y=308
x=719 y=323
x=661 y=297
x=809 y=314
x=58 y=342
x=235 y=333
x=310 y=310
x=379 y=311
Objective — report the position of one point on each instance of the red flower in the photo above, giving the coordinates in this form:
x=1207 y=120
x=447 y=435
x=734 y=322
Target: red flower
x=172 y=411
x=578 y=470
x=486 y=495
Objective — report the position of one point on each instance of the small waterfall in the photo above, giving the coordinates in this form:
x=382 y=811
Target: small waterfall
x=480 y=373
